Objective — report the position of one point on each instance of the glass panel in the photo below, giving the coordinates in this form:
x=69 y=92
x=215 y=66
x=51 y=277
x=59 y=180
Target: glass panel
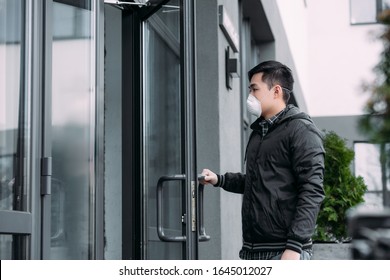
x=72 y=136
x=10 y=246
x=163 y=128
x=363 y=11
x=376 y=175
x=368 y=166
x=14 y=121
x=5 y=247
x=373 y=200
x=385 y=4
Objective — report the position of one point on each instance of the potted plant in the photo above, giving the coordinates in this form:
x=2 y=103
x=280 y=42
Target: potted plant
x=343 y=190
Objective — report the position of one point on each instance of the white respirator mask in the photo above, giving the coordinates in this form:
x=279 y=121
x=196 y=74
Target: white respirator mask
x=253 y=105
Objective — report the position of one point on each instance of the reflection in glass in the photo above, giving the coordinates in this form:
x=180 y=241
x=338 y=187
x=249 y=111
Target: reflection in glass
x=14 y=121
x=6 y=247
x=163 y=126
x=72 y=137
x=372 y=162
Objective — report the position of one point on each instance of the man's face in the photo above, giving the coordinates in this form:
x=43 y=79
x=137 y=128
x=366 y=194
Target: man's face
x=260 y=90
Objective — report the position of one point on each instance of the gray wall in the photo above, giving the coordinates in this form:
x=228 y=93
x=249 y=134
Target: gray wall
x=230 y=143
x=345 y=126
x=218 y=131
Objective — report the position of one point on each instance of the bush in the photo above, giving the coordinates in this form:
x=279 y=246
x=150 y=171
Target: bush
x=342 y=190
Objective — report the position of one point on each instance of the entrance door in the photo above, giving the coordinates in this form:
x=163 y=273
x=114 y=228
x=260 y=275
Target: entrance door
x=169 y=164
x=163 y=134
x=72 y=132
x=160 y=196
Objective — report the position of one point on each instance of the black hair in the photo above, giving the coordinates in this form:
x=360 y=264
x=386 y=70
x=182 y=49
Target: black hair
x=274 y=73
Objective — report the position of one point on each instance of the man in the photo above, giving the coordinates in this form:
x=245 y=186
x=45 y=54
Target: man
x=283 y=185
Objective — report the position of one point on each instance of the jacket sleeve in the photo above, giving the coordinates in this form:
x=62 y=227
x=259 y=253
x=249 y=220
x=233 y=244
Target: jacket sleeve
x=307 y=157
x=232 y=182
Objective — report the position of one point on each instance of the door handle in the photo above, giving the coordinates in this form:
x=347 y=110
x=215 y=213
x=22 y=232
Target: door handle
x=202 y=232
x=160 y=229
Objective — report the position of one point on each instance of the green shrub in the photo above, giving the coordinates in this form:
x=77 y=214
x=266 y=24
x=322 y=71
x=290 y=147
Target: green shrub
x=342 y=190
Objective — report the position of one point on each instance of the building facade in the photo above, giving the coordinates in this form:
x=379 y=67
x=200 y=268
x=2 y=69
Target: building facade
x=109 y=110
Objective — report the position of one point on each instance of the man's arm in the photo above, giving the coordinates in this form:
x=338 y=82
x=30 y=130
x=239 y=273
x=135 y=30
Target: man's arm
x=308 y=166
x=231 y=182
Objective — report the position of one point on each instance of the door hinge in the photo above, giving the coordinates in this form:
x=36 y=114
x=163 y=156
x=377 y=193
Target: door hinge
x=46 y=173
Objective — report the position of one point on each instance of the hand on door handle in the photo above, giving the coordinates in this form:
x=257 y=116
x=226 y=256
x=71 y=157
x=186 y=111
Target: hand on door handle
x=208 y=177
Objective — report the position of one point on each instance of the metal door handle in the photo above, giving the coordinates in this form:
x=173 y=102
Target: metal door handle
x=202 y=233
x=160 y=229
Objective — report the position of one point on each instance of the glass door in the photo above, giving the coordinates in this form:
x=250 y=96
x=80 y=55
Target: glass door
x=170 y=224
x=163 y=136
x=71 y=130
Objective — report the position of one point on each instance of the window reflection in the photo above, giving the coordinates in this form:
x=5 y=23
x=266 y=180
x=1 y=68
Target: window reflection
x=163 y=126
x=372 y=162
x=6 y=247
x=72 y=140
x=13 y=120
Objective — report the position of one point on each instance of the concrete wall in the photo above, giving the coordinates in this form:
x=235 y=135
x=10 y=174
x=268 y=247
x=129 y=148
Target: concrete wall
x=230 y=143
x=345 y=126
x=218 y=131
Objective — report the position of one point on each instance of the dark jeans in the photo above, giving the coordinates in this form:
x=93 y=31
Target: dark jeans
x=272 y=255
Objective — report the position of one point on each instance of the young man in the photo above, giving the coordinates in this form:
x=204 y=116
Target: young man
x=283 y=184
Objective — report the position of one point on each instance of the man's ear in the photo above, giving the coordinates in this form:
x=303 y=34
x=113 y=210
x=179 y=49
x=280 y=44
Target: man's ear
x=278 y=91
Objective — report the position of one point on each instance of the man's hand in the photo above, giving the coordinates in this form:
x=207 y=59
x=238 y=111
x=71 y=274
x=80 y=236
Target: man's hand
x=209 y=177
x=290 y=255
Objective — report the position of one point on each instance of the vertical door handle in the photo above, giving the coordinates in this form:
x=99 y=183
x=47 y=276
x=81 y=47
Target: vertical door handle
x=202 y=233
x=160 y=229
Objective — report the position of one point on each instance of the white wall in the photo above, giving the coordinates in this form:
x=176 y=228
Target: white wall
x=294 y=16
x=341 y=56
x=287 y=24
x=335 y=58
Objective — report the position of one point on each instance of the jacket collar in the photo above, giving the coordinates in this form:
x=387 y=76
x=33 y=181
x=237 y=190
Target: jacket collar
x=285 y=114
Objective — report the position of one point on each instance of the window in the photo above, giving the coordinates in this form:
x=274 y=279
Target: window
x=371 y=162
x=366 y=11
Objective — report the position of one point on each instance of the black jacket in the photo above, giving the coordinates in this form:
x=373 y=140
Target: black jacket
x=283 y=184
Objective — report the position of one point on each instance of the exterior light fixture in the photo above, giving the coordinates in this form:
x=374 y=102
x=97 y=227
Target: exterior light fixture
x=232 y=67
